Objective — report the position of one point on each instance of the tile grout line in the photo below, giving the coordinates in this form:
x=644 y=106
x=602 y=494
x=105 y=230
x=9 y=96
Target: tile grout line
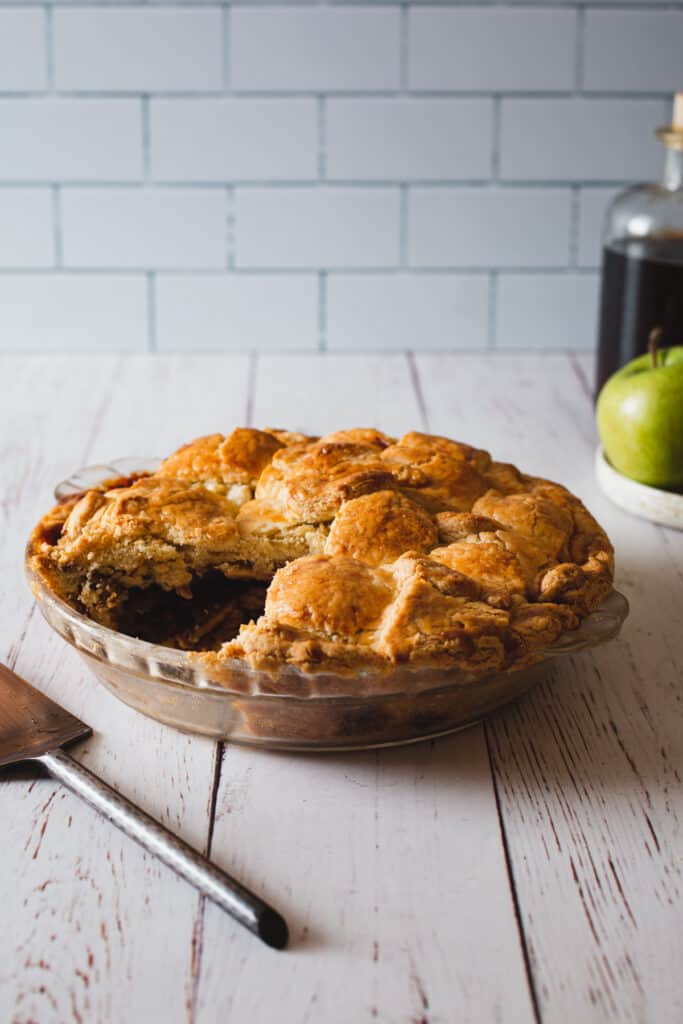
x=574 y=227
x=146 y=141
x=226 y=25
x=297 y=184
x=496 y=129
x=404 y=228
x=404 y=48
x=621 y=6
x=150 y=278
x=49 y=48
x=632 y=95
x=297 y=270
x=322 y=311
x=57 y=232
x=580 y=55
x=230 y=227
x=321 y=137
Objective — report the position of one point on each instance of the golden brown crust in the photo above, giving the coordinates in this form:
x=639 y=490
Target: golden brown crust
x=438 y=613
x=534 y=516
x=486 y=559
x=259 y=524
x=379 y=527
x=420 y=551
x=309 y=482
x=288 y=437
x=454 y=526
x=329 y=595
x=360 y=435
x=157 y=531
x=439 y=473
x=230 y=465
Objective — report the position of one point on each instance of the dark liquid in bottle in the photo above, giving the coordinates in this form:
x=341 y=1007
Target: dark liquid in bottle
x=642 y=288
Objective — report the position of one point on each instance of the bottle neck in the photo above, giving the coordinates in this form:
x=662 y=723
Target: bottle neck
x=672 y=178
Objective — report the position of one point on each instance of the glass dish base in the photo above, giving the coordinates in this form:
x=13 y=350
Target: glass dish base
x=329 y=713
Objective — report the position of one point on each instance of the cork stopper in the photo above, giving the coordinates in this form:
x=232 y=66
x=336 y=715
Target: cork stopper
x=677 y=115
x=672 y=135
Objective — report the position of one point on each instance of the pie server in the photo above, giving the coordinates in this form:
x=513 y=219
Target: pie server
x=34 y=728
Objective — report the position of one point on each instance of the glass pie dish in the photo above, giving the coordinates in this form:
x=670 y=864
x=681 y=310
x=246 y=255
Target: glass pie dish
x=294 y=710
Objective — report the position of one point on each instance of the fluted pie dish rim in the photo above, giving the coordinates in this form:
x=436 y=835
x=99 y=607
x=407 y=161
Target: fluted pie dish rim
x=314 y=712
x=286 y=706
x=351 y=551
x=182 y=668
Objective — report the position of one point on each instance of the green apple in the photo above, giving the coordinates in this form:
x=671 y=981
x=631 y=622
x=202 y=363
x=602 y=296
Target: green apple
x=640 y=418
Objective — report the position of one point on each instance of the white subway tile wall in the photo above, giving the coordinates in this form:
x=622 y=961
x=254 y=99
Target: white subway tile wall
x=314 y=49
x=614 y=43
x=484 y=227
x=203 y=175
x=593 y=204
x=579 y=139
x=134 y=49
x=545 y=311
x=227 y=140
x=162 y=228
x=333 y=226
x=405 y=311
x=409 y=139
x=26 y=227
x=23 y=53
x=60 y=138
x=76 y=312
x=245 y=311
x=492 y=49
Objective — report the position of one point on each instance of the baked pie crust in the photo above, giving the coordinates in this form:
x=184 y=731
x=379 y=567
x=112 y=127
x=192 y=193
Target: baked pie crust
x=345 y=553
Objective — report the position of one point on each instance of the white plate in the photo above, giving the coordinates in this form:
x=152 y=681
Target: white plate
x=665 y=507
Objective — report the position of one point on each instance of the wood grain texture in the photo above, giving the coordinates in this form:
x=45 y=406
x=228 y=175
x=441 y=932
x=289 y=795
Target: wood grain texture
x=100 y=930
x=400 y=881
x=388 y=864
x=589 y=766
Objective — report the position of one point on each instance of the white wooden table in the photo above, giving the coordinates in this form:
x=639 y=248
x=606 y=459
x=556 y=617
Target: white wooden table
x=526 y=870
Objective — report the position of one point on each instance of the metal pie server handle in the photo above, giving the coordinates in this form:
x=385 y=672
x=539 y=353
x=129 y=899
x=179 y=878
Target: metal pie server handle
x=219 y=887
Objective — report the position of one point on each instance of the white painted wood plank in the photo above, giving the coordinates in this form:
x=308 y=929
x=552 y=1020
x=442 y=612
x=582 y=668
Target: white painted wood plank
x=594 y=761
x=99 y=929
x=524 y=408
x=390 y=868
x=47 y=412
x=166 y=400
x=388 y=864
x=588 y=766
x=159 y=403
x=328 y=391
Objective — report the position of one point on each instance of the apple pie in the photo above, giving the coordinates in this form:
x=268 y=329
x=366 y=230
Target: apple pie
x=346 y=553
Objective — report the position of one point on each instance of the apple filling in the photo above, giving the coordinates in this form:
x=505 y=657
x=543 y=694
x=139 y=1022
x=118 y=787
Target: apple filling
x=204 y=616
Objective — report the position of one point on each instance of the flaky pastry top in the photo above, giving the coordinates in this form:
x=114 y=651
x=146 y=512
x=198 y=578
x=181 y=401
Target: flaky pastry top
x=379 y=551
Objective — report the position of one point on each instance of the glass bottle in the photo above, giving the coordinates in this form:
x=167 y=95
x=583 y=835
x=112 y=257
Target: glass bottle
x=642 y=262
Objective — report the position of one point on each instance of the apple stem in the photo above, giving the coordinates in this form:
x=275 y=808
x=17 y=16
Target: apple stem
x=652 y=342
